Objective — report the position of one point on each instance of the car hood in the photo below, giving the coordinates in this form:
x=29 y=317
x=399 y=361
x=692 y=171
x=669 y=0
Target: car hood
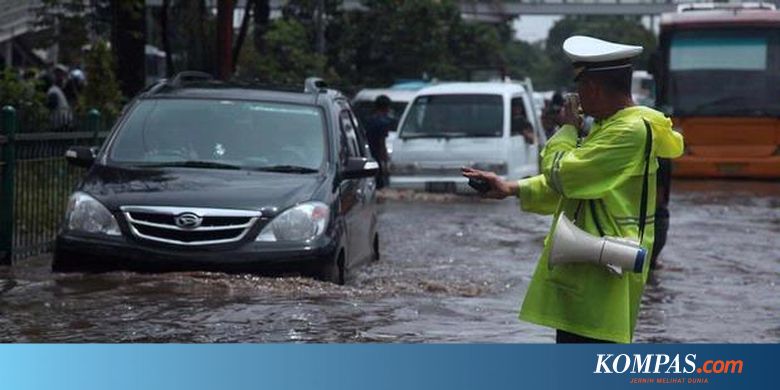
x=188 y=187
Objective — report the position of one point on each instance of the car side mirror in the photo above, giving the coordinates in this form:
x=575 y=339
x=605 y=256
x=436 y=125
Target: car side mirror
x=81 y=156
x=360 y=167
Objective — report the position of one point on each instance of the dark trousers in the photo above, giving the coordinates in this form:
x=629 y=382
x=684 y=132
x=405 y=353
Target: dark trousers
x=564 y=337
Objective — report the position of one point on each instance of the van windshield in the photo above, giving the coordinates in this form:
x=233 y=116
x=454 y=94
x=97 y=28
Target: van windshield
x=221 y=134
x=450 y=116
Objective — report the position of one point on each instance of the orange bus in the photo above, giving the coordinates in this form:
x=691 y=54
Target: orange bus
x=718 y=76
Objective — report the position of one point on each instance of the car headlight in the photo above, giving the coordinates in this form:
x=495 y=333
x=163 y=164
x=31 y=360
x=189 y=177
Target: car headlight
x=300 y=223
x=86 y=214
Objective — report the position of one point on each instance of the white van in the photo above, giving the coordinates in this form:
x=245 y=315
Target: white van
x=491 y=126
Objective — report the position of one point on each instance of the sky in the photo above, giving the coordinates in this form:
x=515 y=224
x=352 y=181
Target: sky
x=533 y=28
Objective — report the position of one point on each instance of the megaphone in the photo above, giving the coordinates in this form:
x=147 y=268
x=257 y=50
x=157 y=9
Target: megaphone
x=571 y=244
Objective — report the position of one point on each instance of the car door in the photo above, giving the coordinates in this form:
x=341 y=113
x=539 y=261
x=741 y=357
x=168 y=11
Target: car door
x=367 y=194
x=351 y=193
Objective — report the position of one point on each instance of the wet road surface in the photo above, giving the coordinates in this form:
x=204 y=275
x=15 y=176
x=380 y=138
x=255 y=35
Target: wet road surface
x=453 y=269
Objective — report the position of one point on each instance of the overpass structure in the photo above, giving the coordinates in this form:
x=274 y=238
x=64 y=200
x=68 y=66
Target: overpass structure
x=570 y=7
x=17 y=16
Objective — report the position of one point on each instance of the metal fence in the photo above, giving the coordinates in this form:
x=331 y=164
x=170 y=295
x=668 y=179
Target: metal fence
x=35 y=179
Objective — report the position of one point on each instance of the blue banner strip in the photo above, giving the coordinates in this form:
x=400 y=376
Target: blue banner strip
x=451 y=367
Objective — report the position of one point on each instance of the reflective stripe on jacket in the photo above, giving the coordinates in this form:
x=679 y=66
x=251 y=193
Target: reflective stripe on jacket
x=601 y=180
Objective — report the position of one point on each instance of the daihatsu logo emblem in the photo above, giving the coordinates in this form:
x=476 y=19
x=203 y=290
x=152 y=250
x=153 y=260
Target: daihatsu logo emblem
x=188 y=220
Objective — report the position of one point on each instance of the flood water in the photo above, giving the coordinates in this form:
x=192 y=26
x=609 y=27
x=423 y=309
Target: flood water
x=453 y=269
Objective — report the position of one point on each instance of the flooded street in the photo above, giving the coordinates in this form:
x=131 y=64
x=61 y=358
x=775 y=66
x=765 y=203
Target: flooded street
x=453 y=269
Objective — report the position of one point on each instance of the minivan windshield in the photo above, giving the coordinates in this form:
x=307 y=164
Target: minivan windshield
x=457 y=115
x=222 y=134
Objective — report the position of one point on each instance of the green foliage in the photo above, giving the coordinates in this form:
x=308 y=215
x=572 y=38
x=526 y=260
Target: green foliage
x=289 y=58
x=391 y=39
x=26 y=98
x=621 y=29
x=530 y=60
x=63 y=22
x=18 y=93
x=102 y=90
x=194 y=36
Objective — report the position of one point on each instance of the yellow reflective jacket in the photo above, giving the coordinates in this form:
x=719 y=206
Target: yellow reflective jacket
x=603 y=176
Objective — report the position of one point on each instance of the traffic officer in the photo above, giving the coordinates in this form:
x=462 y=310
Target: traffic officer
x=605 y=183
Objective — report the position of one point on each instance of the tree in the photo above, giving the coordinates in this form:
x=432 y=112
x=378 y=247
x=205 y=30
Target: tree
x=102 y=91
x=62 y=23
x=391 y=39
x=529 y=60
x=166 y=41
x=288 y=58
x=193 y=36
x=25 y=97
x=128 y=40
x=628 y=30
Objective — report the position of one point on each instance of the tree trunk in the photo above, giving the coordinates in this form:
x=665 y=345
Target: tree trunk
x=169 y=71
x=128 y=39
x=262 y=16
x=224 y=39
x=205 y=63
x=242 y=33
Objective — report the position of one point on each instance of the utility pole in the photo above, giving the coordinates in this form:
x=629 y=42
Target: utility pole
x=224 y=39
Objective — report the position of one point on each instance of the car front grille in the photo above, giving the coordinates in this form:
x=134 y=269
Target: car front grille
x=189 y=226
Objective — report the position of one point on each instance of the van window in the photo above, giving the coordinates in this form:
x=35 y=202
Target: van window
x=458 y=115
x=520 y=122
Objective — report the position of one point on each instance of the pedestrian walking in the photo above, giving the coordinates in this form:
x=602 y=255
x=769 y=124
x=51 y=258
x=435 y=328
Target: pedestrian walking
x=378 y=126
x=60 y=113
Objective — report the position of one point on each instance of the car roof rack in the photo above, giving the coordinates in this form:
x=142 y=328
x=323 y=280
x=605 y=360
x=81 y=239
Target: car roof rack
x=314 y=85
x=189 y=76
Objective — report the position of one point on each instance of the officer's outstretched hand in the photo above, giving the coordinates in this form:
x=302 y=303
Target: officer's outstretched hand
x=499 y=189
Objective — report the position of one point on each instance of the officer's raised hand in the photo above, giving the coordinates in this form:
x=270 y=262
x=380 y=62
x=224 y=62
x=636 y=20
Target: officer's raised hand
x=499 y=189
x=570 y=112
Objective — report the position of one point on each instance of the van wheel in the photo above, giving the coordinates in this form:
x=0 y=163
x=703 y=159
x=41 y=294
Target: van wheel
x=335 y=272
x=375 y=248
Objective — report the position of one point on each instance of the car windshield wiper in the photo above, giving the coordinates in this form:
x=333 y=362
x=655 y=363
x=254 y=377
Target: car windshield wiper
x=191 y=164
x=286 y=169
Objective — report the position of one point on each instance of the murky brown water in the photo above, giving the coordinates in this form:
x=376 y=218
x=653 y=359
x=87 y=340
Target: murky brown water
x=453 y=270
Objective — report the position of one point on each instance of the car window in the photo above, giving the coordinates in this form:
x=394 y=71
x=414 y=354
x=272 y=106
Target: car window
x=349 y=134
x=243 y=133
x=520 y=121
x=360 y=133
x=455 y=115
